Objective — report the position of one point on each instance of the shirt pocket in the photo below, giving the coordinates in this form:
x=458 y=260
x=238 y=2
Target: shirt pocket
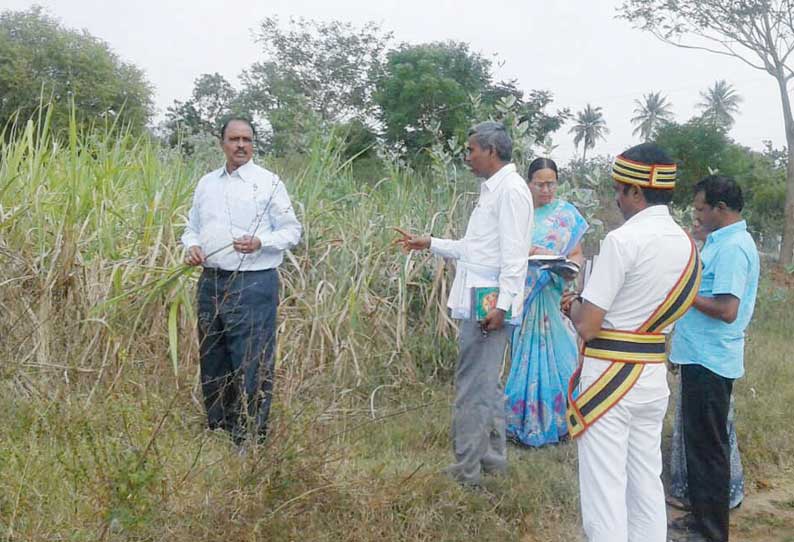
x=483 y=220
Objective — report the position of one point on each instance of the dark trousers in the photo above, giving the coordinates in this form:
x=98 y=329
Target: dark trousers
x=705 y=398
x=237 y=332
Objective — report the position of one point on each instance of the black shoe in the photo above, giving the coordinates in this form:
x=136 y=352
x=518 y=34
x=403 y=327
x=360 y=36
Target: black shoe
x=689 y=537
x=684 y=524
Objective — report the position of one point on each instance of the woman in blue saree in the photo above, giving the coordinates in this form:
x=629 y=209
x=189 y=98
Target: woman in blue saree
x=544 y=352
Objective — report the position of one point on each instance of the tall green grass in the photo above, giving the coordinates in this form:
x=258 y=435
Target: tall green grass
x=101 y=423
x=91 y=228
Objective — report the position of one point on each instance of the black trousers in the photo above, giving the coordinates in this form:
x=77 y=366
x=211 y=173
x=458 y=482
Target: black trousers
x=705 y=398
x=237 y=335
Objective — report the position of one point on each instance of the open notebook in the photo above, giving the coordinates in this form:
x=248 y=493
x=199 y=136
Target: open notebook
x=559 y=265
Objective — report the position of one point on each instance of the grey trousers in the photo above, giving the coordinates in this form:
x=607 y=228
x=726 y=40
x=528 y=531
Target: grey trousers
x=478 y=419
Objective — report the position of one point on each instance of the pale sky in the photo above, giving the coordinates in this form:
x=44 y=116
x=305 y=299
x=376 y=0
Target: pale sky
x=574 y=48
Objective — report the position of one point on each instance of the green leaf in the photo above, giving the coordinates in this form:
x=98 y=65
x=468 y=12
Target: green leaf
x=173 y=334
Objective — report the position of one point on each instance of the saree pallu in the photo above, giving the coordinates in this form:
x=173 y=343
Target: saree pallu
x=543 y=348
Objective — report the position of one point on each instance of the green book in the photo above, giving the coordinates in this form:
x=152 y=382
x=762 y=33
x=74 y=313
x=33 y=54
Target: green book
x=484 y=301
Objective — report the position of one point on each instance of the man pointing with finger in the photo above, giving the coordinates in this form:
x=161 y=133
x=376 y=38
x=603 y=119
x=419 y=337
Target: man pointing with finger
x=239 y=226
x=493 y=253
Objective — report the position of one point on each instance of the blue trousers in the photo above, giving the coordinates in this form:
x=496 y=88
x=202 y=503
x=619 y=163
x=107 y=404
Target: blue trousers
x=237 y=335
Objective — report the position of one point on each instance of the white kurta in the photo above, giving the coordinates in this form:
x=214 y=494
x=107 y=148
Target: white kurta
x=620 y=460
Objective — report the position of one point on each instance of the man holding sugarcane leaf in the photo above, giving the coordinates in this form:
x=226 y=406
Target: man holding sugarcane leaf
x=239 y=226
x=487 y=297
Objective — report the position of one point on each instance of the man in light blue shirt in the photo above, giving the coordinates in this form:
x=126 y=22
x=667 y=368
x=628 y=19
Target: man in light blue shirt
x=709 y=345
x=239 y=226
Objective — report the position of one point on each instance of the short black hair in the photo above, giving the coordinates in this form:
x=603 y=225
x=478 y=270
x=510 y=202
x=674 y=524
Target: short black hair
x=717 y=188
x=541 y=163
x=652 y=196
x=236 y=118
x=650 y=153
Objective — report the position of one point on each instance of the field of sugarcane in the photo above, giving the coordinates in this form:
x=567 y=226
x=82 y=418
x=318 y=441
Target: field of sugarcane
x=102 y=433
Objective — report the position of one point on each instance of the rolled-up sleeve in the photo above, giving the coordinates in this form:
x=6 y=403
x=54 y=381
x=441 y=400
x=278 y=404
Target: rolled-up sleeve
x=284 y=230
x=515 y=233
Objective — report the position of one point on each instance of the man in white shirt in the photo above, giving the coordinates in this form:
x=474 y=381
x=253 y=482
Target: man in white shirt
x=645 y=278
x=239 y=226
x=493 y=253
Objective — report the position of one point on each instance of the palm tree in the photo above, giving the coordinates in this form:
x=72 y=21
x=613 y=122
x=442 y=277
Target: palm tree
x=720 y=103
x=650 y=114
x=590 y=127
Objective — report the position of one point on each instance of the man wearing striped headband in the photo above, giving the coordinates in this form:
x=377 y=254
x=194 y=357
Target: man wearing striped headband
x=644 y=279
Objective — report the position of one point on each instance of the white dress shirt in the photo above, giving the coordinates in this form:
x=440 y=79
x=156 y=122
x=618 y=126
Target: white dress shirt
x=638 y=265
x=495 y=248
x=249 y=201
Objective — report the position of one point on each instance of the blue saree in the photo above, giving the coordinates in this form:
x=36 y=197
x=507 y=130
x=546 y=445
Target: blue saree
x=543 y=348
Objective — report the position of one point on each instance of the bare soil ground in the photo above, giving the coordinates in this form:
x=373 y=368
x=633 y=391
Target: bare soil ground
x=766 y=514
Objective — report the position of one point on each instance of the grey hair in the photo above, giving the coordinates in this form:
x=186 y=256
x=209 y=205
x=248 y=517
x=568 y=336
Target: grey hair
x=493 y=135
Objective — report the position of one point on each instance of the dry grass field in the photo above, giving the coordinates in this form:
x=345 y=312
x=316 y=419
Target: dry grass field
x=102 y=432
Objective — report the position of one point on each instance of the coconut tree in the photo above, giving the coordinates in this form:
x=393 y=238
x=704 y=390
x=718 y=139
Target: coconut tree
x=651 y=112
x=589 y=127
x=719 y=104
x=759 y=33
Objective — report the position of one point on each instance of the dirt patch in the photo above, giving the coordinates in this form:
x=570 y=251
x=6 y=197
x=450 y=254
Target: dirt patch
x=766 y=514
x=780 y=277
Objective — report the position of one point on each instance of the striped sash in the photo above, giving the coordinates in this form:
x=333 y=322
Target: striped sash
x=629 y=351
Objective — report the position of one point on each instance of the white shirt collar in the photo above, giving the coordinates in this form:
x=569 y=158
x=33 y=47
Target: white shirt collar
x=494 y=180
x=648 y=212
x=244 y=171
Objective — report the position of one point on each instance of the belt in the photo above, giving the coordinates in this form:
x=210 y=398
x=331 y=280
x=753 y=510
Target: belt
x=627 y=346
x=215 y=272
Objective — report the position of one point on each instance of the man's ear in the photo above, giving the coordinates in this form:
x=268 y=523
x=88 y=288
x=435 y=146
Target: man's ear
x=722 y=206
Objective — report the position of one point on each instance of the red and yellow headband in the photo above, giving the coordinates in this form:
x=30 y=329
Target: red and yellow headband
x=656 y=176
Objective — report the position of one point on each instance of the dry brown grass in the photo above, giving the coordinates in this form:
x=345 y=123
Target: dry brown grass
x=101 y=426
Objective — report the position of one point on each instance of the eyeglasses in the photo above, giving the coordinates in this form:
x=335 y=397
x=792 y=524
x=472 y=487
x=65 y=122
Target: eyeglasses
x=551 y=185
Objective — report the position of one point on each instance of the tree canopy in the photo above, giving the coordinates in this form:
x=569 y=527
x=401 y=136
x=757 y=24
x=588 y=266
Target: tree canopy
x=759 y=33
x=43 y=62
x=701 y=148
x=426 y=91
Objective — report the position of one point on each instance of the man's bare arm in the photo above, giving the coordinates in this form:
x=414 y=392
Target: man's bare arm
x=586 y=317
x=723 y=307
